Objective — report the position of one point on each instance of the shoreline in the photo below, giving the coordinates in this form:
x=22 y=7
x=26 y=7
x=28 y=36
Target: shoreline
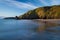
x=52 y=20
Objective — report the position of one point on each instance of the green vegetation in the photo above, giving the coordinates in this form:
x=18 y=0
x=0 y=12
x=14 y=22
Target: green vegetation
x=48 y=12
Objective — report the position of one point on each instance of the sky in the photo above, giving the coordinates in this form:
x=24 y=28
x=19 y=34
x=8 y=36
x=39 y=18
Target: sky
x=11 y=8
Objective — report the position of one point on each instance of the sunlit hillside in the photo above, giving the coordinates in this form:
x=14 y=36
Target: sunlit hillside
x=47 y=12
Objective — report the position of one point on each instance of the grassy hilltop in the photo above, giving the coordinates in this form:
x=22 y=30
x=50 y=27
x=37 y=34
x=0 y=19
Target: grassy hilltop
x=47 y=12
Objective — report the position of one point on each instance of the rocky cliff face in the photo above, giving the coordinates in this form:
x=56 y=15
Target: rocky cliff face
x=48 y=12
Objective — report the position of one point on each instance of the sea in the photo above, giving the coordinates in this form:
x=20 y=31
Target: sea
x=11 y=29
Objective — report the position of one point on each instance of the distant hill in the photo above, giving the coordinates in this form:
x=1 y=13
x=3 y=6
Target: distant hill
x=9 y=18
x=47 y=12
x=12 y=17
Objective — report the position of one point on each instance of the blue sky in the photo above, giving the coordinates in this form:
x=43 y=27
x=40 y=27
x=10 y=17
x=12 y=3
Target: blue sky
x=10 y=8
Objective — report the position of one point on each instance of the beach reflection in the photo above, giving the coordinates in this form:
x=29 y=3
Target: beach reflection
x=50 y=26
x=48 y=30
